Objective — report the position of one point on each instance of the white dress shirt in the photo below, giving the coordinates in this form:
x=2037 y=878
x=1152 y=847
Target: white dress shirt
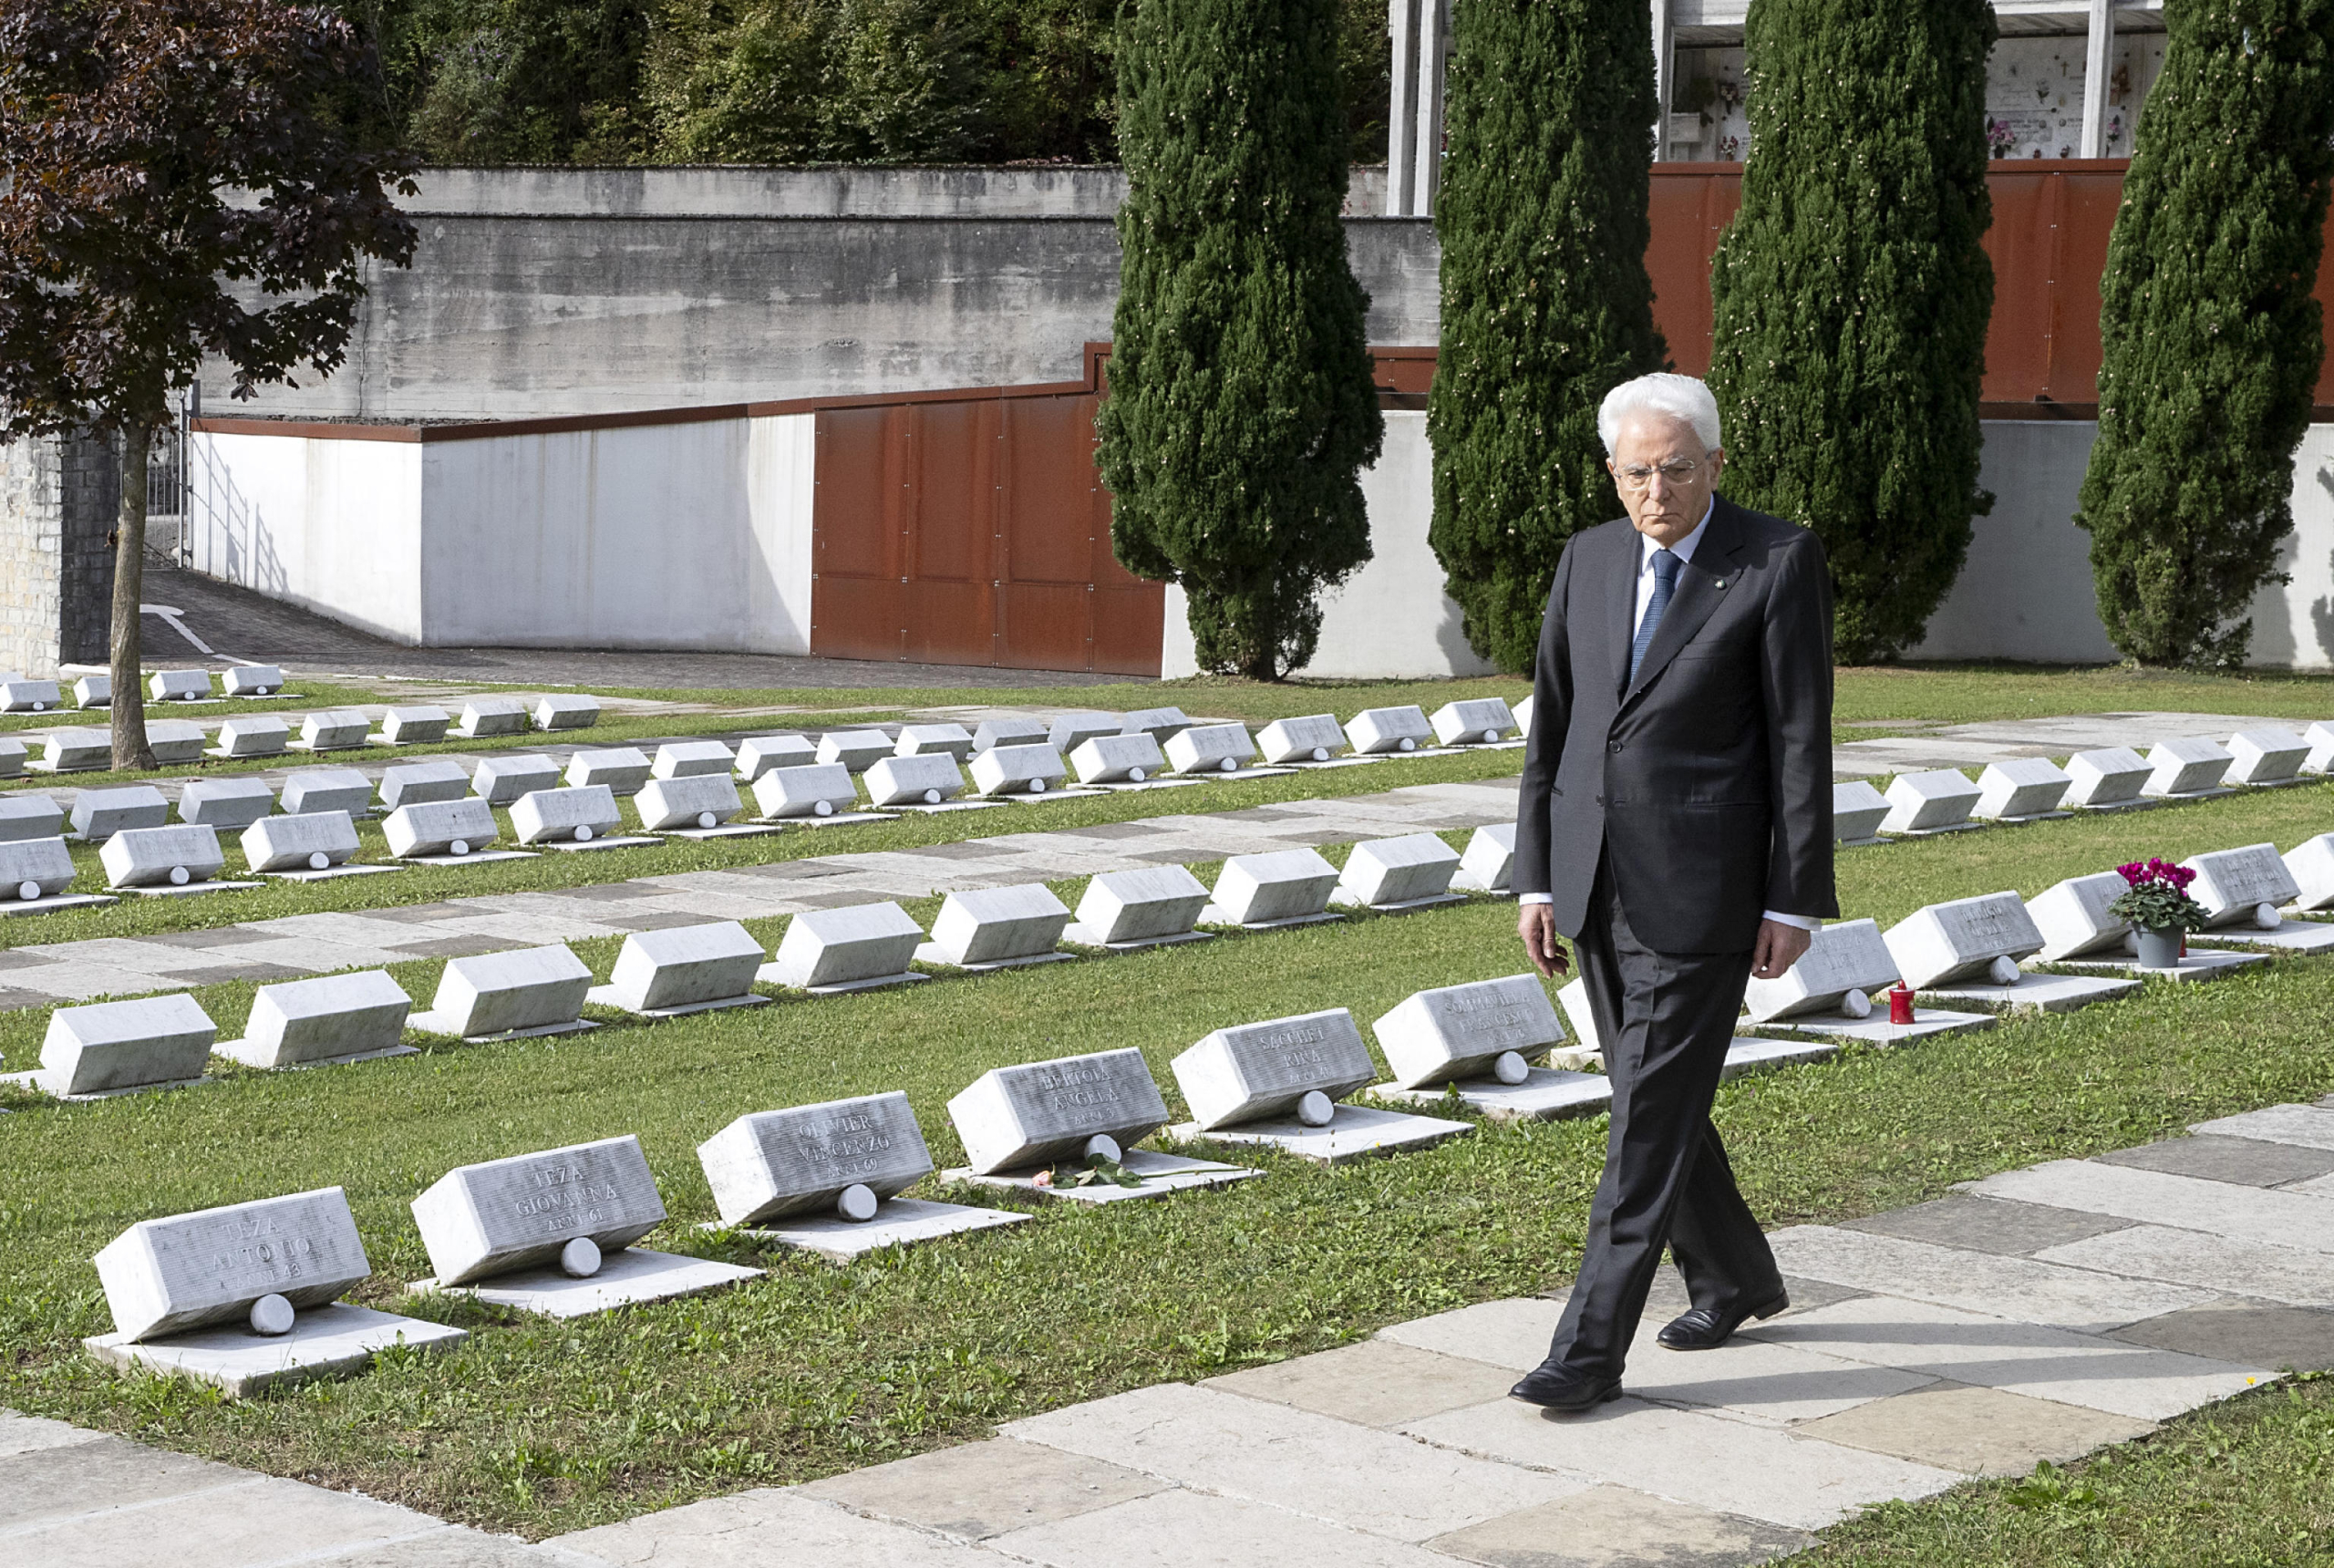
x=1683 y=550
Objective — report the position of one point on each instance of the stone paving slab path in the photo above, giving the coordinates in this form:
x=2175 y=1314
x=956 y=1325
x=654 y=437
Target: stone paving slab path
x=45 y=974
x=1401 y=1451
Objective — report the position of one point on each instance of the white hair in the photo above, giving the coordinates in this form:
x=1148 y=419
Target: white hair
x=1679 y=397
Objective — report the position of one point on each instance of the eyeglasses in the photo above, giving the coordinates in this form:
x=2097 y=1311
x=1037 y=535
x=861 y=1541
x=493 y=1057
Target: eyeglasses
x=1634 y=477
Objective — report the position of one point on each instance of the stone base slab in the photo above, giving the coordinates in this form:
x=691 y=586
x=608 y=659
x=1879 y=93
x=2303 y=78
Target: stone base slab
x=2142 y=803
x=190 y=890
x=2292 y=936
x=1752 y=1055
x=768 y=975
x=475 y=858
x=252 y=1056
x=841 y=820
x=324 y=1341
x=1400 y=906
x=727 y=830
x=1211 y=916
x=1859 y=843
x=55 y=901
x=2202 y=964
x=605 y=996
x=935 y=811
x=223 y=755
x=2035 y=993
x=34 y=1080
x=898 y=1222
x=329 y=872
x=1083 y=936
x=1161 y=1173
x=929 y=952
x=627 y=1278
x=1544 y=1094
x=1932 y=832
x=626 y=841
x=43 y=766
x=2029 y=817
x=430 y=1023
x=1877 y=1030
x=1129 y=786
x=1355 y=1132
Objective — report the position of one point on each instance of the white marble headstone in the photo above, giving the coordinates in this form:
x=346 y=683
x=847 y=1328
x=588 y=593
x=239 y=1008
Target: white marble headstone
x=688 y=759
x=1402 y=870
x=564 y=816
x=174 y=740
x=771 y=1163
x=419 y=725
x=2319 y=738
x=761 y=753
x=479 y=1221
x=440 y=828
x=1843 y=956
x=231 y=803
x=496 y=993
x=1924 y=802
x=29 y=816
x=924 y=780
x=684 y=966
x=254 y=680
x=2188 y=766
x=1142 y=904
x=330 y=1017
x=2021 y=787
x=102 y=813
x=1005 y=730
x=1382 y=729
x=180 y=685
x=1314 y=738
x=840 y=947
x=2233 y=883
x=997 y=924
x=1210 y=749
x=124 y=1044
x=294 y=843
x=567 y=710
x=77 y=751
x=1032 y=1113
x=485 y=715
x=2073 y=916
x=93 y=691
x=501 y=780
x=620 y=769
x=2268 y=756
x=1488 y=863
x=336 y=729
x=697 y=800
x=1961 y=938
x=1857 y=811
x=253 y=735
x=1250 y=1071
x=30 y=696
x=407 y=783
x=162 y=857
x=857 y=749
x=1071 y=730
x=1523 y=716
x=802 y=791
x=920 y=739
x=1018 y=770
x=2310 y=864
x=189 y=1271
x=1473 y=721
x=1454 y=1032
x=43 y=865
x=2106 y=775
x=12 y=758
x=312 y=790
x=1117 y=759
x=1281 y=885
x=1161 y=724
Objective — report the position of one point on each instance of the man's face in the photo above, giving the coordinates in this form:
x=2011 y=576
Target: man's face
x=1663 y=474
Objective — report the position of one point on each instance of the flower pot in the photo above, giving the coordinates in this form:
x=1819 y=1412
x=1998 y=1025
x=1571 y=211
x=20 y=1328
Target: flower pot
x=2160 y=949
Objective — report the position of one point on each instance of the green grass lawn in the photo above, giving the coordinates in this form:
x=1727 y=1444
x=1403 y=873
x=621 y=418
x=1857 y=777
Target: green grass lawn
x=543 y=1427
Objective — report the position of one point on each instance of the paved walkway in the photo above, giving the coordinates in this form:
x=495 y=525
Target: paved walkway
x=1972 y=746
x=2037 y=1314
x=296 y=946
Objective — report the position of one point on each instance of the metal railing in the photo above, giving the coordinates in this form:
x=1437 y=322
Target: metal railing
x=168 y=484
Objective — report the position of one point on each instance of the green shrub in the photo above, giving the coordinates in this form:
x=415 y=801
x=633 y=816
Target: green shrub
x=1853 y=298
x=1545 y=302
x=2210 y=333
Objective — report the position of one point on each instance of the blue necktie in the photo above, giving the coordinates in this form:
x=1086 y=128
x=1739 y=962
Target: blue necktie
x=1665 y=584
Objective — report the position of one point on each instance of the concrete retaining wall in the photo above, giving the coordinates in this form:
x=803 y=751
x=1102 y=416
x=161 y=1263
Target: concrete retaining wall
x=59 y=497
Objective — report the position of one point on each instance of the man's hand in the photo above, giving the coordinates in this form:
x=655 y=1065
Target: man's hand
x=1537 y=924
x=1778 y=948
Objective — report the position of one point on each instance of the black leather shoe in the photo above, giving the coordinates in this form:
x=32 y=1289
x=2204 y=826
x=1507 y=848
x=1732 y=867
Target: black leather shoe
x=1554 y=1386
x=1702 y=1329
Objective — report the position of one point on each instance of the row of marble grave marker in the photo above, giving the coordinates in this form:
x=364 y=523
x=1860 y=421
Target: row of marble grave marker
x=247 y=1295
x=178 y=741
x=2112 y=779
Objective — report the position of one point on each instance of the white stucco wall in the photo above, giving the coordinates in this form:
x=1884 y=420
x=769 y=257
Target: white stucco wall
x=1391 y=619
x=782 y=473
x=2294 y=624
x=334 y=526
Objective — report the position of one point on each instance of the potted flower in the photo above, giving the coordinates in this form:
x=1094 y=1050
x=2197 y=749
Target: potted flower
x=2155 y=901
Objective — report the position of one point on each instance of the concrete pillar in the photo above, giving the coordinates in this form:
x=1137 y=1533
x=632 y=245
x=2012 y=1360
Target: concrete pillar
x=2097 y=63
x=1434 y=48
x=1401 y=119
x=1664 y=59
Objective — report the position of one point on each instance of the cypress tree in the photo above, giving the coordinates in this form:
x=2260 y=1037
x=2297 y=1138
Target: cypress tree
x=1545 y=302
x=2210 y=336
x=1853 y=298
x=1241 y=409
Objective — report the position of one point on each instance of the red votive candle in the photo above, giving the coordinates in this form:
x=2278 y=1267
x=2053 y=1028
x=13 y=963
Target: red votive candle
x=1900 y=1005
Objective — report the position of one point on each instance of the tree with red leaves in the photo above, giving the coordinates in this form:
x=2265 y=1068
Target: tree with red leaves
x=176 y=185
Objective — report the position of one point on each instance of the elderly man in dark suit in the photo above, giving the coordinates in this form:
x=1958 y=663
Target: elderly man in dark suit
x=1674 y=822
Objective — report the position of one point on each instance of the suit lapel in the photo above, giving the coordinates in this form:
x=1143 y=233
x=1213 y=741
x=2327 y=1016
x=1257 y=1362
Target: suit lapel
x=1715 y=561
x=1621 y=602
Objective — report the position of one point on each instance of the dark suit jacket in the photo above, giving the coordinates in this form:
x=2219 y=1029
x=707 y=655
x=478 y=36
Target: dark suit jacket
x=1706 y=783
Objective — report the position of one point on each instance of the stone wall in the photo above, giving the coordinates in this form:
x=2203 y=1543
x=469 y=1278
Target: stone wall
x=57 y=502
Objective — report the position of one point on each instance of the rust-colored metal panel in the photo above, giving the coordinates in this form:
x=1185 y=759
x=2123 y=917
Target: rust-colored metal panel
x=953 y=492
x=1044 y=625
x=2023 y=245
x=1128 y=624
x=857 y=596
x=2088 y=199
x=857 y=617
x=1049 y=497
x=1689 y=205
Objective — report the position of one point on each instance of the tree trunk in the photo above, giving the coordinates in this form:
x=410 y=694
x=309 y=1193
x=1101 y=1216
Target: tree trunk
x=129 y=747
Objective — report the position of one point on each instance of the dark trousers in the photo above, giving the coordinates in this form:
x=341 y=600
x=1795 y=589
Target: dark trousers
x=1665 y=1019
